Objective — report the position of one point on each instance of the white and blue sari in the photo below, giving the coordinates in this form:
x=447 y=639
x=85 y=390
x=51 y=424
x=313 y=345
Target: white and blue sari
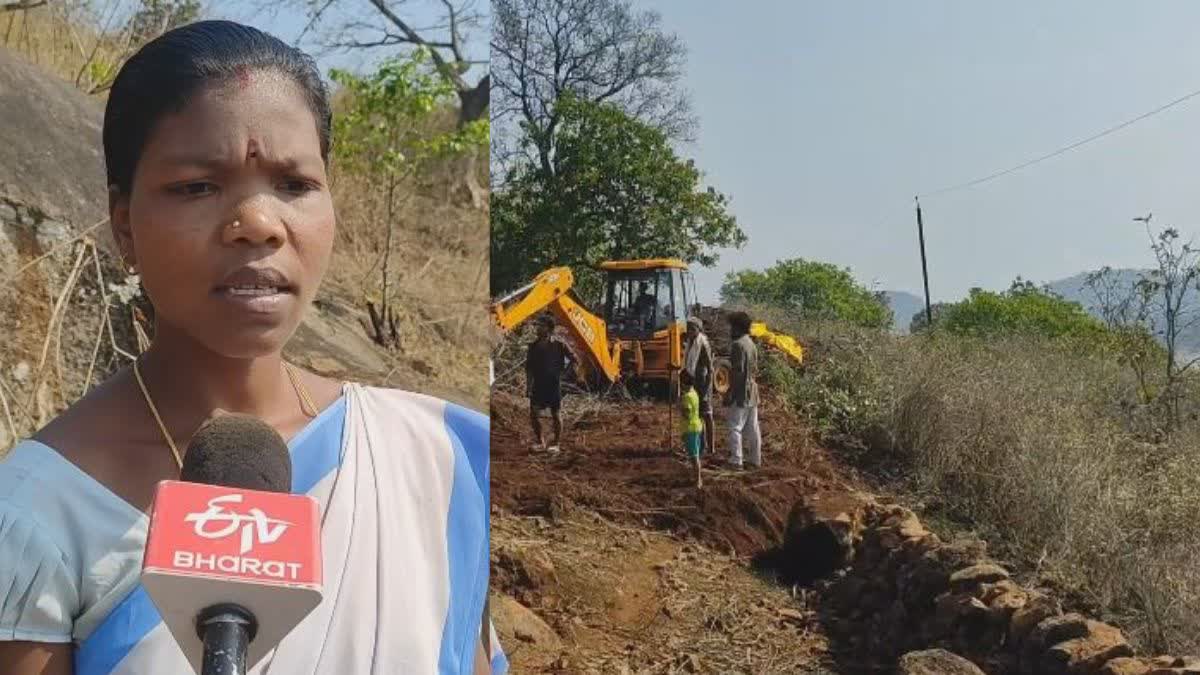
x=402 y=483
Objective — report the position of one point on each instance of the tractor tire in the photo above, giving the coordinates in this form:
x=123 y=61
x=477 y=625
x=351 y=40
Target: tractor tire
x=722 y=372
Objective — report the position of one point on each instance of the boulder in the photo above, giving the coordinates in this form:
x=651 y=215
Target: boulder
x=935 y=662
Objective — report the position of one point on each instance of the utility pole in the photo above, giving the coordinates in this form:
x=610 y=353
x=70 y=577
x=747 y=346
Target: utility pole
x=924 y=265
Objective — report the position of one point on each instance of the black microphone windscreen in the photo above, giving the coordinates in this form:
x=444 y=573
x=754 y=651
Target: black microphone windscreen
x=238 y=451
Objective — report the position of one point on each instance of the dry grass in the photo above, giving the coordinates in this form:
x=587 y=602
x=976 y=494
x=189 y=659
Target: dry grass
x=439 y=255
x=438 y=273
x=65 y=331
x=624 y=600
x=1035 y=445
x=78 y=40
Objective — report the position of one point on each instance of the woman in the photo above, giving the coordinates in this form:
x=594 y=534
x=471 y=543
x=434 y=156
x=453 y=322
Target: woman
x=216 y=141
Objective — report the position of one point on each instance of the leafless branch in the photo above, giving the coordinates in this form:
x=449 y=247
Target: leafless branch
x=600 y=50
x=313 y=18
x=20 y=5
x=414 y=38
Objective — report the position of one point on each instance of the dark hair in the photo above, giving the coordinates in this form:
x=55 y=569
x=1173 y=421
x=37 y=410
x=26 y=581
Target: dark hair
x=685 y=378
x=740 y=322
x=546 y=321
x=166 y=72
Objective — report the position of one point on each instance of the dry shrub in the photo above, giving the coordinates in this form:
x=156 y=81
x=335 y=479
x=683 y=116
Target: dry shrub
x=438 y=272
x=78 y=40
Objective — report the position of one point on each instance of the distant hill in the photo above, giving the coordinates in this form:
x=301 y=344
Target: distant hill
x=904 y=306
x=1075 y=288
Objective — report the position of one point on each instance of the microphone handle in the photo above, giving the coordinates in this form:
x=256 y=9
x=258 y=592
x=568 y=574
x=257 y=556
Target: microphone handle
x=226 y=631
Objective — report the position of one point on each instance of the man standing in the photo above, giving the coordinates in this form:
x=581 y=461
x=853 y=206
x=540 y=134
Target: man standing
x=742 y=398
x=545 y=362
x=698 y=362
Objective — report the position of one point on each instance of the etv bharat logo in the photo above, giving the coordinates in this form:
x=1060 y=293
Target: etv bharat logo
x=256 y=525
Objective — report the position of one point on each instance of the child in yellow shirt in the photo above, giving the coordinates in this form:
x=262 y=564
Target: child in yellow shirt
x=693 y=428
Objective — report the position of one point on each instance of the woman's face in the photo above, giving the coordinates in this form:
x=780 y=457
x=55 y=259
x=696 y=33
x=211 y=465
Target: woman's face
x=229 y=219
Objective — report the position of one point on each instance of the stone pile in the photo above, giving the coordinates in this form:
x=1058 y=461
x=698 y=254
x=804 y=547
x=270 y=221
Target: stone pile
x=900 y=591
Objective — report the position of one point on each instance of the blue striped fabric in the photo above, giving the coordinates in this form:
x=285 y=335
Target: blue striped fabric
x=315 y=451
x=466 y=539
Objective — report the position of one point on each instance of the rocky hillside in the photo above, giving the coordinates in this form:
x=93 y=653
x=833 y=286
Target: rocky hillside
x=70 y=316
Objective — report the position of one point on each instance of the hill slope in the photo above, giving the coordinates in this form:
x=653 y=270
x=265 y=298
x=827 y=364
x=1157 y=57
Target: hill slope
x=55 y=289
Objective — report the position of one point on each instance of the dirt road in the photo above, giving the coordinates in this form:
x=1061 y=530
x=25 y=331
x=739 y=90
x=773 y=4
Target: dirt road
x=629 y=565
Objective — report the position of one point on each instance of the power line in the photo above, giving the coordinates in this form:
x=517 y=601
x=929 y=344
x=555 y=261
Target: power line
x=1062 y=150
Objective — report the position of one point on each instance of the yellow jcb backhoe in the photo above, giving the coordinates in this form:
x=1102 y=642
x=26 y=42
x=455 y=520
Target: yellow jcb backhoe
x=640 y=336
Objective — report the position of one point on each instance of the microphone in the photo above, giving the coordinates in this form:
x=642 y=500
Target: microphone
x=233 y=560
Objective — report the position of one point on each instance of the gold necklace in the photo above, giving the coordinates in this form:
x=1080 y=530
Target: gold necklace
x=306 y=404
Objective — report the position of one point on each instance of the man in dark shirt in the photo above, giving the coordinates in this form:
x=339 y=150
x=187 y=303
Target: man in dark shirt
x=643 y=306
x=742 y=397
x=545 y=362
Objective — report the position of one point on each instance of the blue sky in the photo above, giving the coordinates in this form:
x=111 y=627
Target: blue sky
x=822 y=119
x=287 y=21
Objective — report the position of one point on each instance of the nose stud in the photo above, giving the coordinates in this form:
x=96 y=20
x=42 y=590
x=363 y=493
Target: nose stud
x=236 y=224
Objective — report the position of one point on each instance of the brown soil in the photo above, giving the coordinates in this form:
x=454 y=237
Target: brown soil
x=619 y=461
x=597 y=538
x=623 y=600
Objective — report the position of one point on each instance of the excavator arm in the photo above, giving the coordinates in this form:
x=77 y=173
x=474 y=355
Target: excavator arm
x=552 y=290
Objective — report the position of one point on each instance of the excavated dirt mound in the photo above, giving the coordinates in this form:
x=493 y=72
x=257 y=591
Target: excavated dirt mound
x=617 y=460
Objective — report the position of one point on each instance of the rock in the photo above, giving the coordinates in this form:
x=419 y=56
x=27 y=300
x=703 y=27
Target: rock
x=936 y=662
x=1056 y=629
x=1037 y=608
x=1125 y=665
x=970 y=577
x=962 y=552
x=821 y=529
x=1008 y=603
x=949 y=606
x=1175 y=665
x=514 y=621
x=849 y=591
x=324 y=365
x=1087 y=653
x=530 y=572
x=989 y=592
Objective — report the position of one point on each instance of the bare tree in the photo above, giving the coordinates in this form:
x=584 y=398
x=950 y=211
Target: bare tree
x=1125 y=301
x=600 y=50
x=1157 y=300
x=20 y=5
x=387 y=24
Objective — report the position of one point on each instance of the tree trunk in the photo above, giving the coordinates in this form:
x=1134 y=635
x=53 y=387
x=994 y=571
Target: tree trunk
x=474 y=102
x=387 y=251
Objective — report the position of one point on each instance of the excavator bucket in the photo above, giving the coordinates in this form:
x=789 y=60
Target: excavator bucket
x=784 y=343
x=759 y=331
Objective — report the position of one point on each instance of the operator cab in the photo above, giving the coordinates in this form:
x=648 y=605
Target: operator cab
x=644 y=297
